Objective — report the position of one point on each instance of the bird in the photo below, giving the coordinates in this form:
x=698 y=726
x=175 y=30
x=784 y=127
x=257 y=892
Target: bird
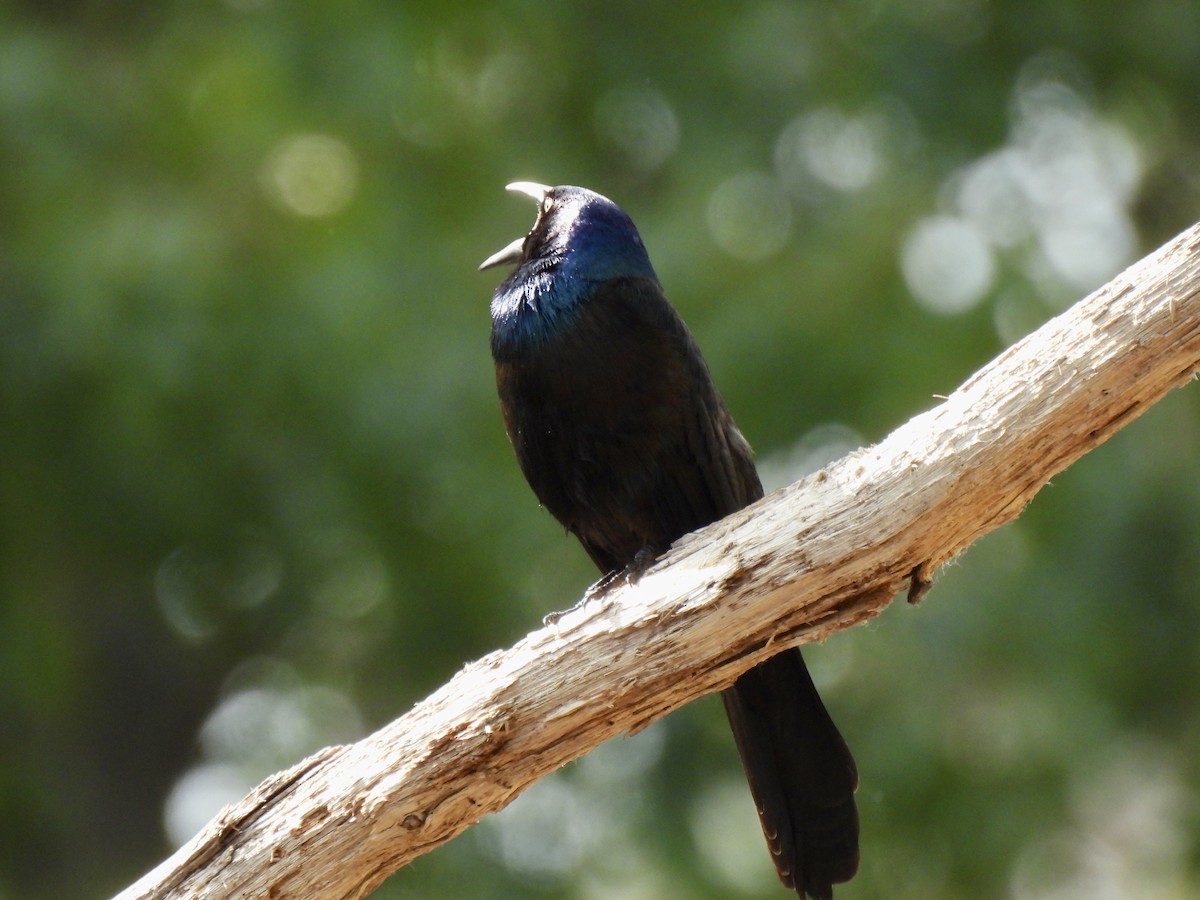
x=623 y=437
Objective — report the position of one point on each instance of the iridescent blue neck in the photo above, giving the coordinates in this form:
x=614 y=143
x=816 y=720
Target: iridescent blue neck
x=544 y=295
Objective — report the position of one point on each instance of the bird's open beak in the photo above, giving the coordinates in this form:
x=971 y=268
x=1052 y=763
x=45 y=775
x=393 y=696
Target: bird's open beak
x=530 y=188
x=512 y=253
x=506 y=257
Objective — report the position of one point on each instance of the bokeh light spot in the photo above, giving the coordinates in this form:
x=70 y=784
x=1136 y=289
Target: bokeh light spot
x=354 y=577
x=749 y=216
x=197 y=588
x=641 y=124
x=312 y=175
x=546 y=830
x=268 y=724
x=1127 y=838
x=947 y=265
x=729 y=839
x=1057 y=195
x=198 y=795
x=817 y=447
x=185 y=586
x=1084 y=251
x=991 y=195
x=840 y=151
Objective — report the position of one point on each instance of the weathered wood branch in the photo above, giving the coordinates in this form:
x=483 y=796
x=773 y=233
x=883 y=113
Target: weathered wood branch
x=813 y=558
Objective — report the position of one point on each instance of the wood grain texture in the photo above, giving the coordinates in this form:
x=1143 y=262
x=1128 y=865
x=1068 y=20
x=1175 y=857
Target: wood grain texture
x=818 y=556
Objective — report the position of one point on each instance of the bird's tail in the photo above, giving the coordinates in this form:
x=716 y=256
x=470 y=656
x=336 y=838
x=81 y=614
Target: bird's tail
x=801 y=774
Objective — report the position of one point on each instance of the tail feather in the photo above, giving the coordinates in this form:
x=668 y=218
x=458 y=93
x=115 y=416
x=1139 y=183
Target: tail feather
x=801 y=774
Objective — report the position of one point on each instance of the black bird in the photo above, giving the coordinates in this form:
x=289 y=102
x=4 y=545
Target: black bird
x=622 y=435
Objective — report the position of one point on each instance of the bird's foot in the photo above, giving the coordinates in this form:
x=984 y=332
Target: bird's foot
x=595 y=592
x=642 y=561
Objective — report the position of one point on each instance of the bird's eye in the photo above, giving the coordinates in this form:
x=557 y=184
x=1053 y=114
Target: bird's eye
x=547 y=204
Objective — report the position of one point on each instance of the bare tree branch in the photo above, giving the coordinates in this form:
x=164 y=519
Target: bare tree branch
x=813 y=558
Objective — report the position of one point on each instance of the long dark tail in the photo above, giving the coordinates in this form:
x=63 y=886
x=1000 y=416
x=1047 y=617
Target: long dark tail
x=801 y=774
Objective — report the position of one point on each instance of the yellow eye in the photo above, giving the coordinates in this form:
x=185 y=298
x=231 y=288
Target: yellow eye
x=547 y=204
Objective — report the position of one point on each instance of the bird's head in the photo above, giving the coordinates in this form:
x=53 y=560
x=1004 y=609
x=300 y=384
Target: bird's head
x=579 y=237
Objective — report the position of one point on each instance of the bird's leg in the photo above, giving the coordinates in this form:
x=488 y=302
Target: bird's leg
x=595 y=592
x=642 y=561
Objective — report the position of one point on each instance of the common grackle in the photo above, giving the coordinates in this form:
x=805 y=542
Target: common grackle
x=624 y=438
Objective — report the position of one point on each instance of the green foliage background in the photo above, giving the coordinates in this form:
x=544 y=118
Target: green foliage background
x=255 y=496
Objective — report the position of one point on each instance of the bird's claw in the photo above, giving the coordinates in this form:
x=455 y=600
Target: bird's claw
x=595 y=592
x=643 y=560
